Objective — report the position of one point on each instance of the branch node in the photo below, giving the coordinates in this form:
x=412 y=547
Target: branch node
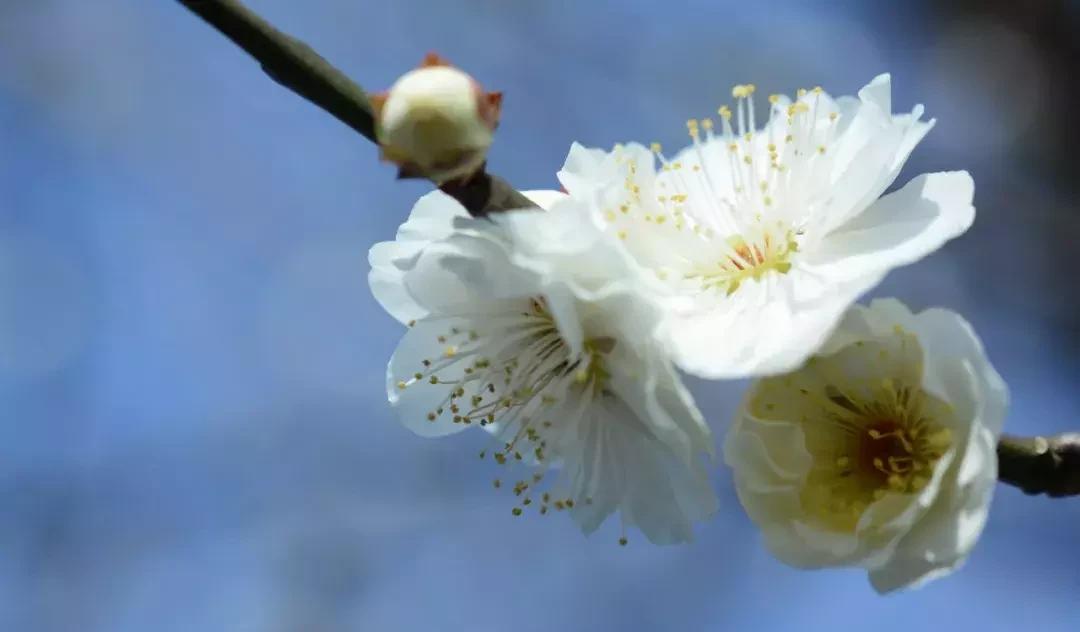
x=1041 y=465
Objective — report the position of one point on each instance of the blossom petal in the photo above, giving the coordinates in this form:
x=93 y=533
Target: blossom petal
x=942 y=539
x=766 y=327
x=432 y=218
x=586 y=171
x=631 y=472
x=415 y=402
x=871 y=150
x=949 y=339
x=898 y=229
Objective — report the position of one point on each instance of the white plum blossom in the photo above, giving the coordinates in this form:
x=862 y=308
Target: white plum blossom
x=533 y=326
x=879 y=452
x=762 y=238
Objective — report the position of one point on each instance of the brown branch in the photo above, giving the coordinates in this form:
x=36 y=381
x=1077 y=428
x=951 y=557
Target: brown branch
x=1037 y=465
x=294 y=65
x=1041 y=465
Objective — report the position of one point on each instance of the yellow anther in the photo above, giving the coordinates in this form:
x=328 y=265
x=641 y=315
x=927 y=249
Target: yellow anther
x=655 y=148
x=801 y=92
x=707 y=123
x=833 y=116
x=774 y=98
x=818 y=90
x=402 y=385
x=741 y=91
x=622 y=234
x=724 y=112
x=798 y=107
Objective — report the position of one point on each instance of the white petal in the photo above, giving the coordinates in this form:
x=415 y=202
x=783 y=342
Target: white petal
x=898 y=229
x=545 y=199
x=389 y=261
x=757 y=469
x=415 y=402
x=654 y=392
x=872 y=148
x=942 y=539
x=948 y=339
x=432 y=218
x=466 y=269
x=586 y=171
x=632 y=472
x=878 y=92
x=765 y=327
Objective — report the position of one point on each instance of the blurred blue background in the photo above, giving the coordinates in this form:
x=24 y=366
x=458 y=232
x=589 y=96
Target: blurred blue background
x=193 y=428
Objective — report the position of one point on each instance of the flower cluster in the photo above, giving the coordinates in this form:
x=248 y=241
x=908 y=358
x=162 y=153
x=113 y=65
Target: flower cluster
x=868 y=439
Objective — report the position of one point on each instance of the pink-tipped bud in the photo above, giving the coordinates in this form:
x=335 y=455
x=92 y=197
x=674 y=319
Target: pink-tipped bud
x=436 y=122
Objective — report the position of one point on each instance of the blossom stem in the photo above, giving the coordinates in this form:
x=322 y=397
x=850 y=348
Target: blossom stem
x=1041 y=465
x=296 y=66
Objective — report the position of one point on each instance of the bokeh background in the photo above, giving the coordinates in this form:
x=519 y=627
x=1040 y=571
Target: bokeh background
x=193 y=428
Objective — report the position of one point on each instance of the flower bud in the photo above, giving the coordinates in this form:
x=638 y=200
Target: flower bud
x=436 y=122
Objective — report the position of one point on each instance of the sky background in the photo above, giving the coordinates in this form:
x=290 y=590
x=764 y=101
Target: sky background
x=194 y=432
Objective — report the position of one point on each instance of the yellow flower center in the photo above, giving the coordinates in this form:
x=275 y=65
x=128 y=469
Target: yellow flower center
x=747 y=260
x=888 y=443
x=869 y=427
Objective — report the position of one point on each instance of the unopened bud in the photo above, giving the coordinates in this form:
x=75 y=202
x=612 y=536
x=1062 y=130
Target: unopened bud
x=436 y=122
